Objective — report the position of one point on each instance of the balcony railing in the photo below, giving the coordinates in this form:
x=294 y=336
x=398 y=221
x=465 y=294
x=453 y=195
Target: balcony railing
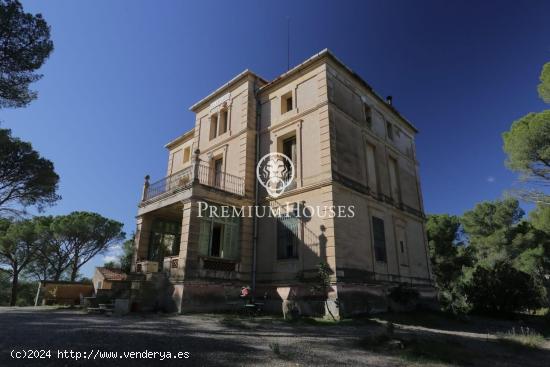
x=221 y=180
x=184 y=179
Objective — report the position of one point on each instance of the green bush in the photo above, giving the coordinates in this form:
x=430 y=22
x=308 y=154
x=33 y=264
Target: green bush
x=504 y=289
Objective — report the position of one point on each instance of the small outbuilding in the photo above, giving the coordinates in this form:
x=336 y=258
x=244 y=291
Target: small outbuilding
x=62 y=293
x=105 y=277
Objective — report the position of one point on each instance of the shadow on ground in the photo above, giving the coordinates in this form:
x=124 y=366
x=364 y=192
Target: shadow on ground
x=224 y=340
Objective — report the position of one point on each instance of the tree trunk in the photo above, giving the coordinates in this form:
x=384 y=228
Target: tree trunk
x=74 y=271
x=14 y=283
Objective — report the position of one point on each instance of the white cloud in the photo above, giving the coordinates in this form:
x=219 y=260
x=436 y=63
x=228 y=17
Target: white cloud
x=491 y=179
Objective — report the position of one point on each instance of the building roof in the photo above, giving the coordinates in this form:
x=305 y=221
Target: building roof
x=233 y=81
x=327 y=53
x=64 y=282
x=185 y=136
x=324 y=53
x=112 y=274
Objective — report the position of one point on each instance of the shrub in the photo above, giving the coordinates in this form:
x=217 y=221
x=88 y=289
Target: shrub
x=503 y=289
x=522 y=336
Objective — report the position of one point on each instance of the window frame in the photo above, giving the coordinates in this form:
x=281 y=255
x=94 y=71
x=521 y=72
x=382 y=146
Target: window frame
x=367 y=110
x=186 y=154
x=395 y=163
x=223 y=121
x=296 y=232
x=284 y=102
x=214 y=123
x=389 y=131
x=233 y=224
x=379 y=242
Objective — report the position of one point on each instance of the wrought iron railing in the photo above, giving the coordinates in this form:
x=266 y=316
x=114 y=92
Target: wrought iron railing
x=224 y=181
x=184 y=179
x=179 y=180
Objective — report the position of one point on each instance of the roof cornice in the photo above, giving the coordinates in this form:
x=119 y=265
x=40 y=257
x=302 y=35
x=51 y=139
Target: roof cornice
x=326 y=53
x=180 y=139
x=246 y=73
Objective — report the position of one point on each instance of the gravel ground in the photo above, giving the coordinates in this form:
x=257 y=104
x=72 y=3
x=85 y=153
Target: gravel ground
x=218 y=340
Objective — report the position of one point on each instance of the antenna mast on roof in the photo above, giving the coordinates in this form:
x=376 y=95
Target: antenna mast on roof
x=287 y=43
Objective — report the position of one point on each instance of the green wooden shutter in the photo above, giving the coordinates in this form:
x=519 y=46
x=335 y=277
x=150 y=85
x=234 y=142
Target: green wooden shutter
x=204 y=237
x=231 y=240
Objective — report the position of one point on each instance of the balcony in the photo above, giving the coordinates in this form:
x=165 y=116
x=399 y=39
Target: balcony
x=185 y=178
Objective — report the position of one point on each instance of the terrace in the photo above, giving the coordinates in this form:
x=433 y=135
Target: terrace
x=187 y=177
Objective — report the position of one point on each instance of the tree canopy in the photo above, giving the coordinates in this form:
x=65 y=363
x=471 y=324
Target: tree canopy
x=25 y=177
x=24 y=46
x=18 y=247
x=544 y=86
x=127 y=254
x=540 y=218
x=74 y=239
x=527 y=145
x=490 y=255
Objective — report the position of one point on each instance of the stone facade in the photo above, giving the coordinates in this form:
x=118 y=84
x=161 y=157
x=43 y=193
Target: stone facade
x=349 y=148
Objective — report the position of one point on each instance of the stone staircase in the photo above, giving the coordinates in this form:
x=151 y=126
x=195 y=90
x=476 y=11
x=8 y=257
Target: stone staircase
x=150 y=292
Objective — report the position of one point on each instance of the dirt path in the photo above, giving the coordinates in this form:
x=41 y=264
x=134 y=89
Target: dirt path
x=217 y=340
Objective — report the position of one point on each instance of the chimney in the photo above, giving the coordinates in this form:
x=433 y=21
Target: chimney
x=389 y=100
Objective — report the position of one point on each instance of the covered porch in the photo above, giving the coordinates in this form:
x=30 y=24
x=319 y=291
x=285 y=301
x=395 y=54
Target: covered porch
x=176 y=240
x=158 y=240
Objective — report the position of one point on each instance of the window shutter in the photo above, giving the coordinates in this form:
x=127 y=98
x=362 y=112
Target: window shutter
x=204 y=237
x=231 y=243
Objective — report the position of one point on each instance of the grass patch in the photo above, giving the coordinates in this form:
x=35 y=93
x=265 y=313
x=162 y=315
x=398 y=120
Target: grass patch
x=523 y=336
x=432 y=350
x=419 y=350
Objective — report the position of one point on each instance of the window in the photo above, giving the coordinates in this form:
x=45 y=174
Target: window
x=394 y=179
x=164 y=240
x=218 y=173
x=289 y=149
x=223 y=121
x=219 y=236
x=379 y=237
x=389 y=128
x=368 y=115
x=402 y=246
x=288 y=237
x=372 y=181
x=286 y=103
x=186 y=154
x=213 y=126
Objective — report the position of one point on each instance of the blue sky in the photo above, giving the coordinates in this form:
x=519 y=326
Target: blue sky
x=123 y=74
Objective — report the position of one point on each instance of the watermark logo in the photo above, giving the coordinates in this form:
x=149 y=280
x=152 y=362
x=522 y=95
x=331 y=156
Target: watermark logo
x=275 y=172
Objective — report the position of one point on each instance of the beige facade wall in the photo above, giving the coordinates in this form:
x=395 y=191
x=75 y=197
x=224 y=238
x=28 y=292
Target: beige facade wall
x=367 y=179
x=235 y=146
x=352 y=149
x=308 y=122
x=180 y=155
